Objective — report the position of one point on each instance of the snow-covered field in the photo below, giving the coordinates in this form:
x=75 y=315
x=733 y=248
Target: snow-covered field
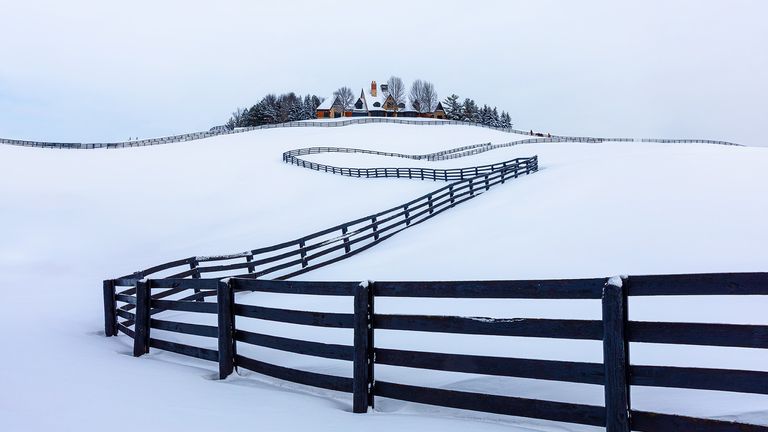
x=73 y=218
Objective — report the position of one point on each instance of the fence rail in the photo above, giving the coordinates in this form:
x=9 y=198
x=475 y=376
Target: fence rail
x=616 y=374
x=325 y=124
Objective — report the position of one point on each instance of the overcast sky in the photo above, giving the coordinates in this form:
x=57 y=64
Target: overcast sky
x=102 y=70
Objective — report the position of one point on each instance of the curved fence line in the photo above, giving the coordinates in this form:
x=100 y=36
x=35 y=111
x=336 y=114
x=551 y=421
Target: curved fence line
x=321 y=123
x=318 y=249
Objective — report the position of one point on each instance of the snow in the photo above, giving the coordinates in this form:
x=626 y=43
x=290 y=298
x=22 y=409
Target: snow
x=79 y=217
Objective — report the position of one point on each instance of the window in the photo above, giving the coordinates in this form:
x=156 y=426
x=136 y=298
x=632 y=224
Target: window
x=359 y=104
x=376 y=104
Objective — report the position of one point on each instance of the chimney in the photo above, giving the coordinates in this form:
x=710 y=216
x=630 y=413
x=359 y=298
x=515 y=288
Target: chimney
x=373 y=88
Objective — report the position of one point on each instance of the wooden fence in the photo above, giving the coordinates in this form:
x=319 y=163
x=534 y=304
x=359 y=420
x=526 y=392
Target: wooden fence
x=288 y=259
x=322 y=124
x=616 y=373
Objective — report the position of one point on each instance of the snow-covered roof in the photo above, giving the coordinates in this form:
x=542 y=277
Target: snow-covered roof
x=328 y=103
x=369 y=100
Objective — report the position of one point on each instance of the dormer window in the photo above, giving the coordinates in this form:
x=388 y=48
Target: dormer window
x=376 y=104
x=359 y=104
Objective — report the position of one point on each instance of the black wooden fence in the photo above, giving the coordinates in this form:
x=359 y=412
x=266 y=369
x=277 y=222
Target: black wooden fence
x=616 y=374
x=288 y=259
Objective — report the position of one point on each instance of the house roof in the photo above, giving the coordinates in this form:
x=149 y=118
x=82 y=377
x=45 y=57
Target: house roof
x=328 y=103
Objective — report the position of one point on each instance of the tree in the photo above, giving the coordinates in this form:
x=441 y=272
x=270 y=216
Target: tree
x=428 y=97
x=396 y=88
x=414 y=96
x=469 y=111
x=237 y=119
x=453 y=108
x=423 y=96
x=496 y=121
x=506 y=120
x=346 y=97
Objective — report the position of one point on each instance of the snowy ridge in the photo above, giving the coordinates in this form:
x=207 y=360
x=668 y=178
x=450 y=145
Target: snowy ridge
x=327 y=123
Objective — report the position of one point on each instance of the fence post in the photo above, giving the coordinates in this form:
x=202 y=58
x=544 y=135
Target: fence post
x=374 y=225
x=347 y=249
x=616 y=356
x=362 y=374
x=431 y=209
x=143 y=304
x=303 y=253
x=110 y=309
x=193 y=265
x=225 y=300
x=251 y=267
x=407 y=214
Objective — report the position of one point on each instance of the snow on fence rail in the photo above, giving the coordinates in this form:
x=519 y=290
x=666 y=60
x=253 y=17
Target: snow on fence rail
x=616 y=373
x=304 y=123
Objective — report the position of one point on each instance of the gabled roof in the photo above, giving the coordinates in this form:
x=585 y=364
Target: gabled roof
x=365 y=103
x=328 y=103
x=439 y=107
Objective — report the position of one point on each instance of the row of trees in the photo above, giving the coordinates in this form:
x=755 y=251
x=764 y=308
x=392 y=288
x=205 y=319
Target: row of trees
x=276 y=109
x=469 y=111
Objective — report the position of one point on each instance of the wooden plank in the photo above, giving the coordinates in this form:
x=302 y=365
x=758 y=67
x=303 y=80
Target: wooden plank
x=732 y=380
x=528 y=289
x=727 y=335
x=296 y=287
x=225 y=301
x=362 y=363
x=127 y=331
x=131 y=300
x=184 y=328
x=656 y=422
x=321 y=319
x=110 y=308
x=317 y=349
x=530 y=327
x=588 y=373
x=184 y=349
x=700 y=284
x=141 y=339
x=127 y=315
x=330 y=382
x=615 y=359
x=507 y=405
x=185 y=306
x=182 y=284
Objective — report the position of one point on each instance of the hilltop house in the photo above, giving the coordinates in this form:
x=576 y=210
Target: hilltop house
x=376 y=102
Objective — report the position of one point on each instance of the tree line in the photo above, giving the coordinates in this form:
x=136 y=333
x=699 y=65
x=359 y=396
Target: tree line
x=276 y=109
x=422 y=97
x=469 y=111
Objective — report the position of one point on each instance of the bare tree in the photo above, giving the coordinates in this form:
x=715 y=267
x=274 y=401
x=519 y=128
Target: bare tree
x=396 y=88
x=417 y=88
x=423 y=96
x=428 y=97
x=346 y=97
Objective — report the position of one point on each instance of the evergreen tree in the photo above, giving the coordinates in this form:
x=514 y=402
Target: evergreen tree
x=469 y=111
x=496 y=121
x=506 y=120
x=486 y=116
x=453 y=108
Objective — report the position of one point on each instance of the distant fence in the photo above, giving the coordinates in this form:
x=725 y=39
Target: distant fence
x=333 y=244
x=147 y=298
x=321 y=123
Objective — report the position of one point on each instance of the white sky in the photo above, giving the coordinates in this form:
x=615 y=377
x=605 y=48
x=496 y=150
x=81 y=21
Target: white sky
x=100 y=70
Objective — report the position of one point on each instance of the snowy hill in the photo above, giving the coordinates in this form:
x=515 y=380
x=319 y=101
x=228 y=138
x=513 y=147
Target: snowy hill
x=78 y=217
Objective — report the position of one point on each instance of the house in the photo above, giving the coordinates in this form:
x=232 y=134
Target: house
x=330 y=108
x=375 y=102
